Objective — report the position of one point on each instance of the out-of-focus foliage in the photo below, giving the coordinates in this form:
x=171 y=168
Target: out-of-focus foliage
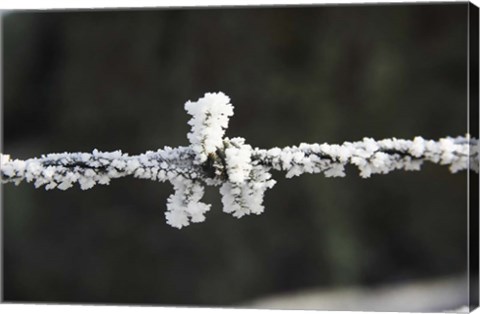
x=74 y=81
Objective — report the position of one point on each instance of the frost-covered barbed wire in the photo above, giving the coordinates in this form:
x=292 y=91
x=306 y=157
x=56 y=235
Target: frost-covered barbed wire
x=372 y=157
x=242 y=172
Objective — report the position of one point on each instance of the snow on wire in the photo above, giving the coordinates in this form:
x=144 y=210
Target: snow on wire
x=242 y=172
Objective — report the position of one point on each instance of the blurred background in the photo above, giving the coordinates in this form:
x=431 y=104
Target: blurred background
x=75 y=81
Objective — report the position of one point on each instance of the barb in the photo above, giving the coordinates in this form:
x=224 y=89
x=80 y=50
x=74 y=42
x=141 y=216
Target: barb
x=242 y=171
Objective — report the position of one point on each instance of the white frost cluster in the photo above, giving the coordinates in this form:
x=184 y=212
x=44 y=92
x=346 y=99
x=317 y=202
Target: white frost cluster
x=246 y=198
x=184 y=205
x=242 y=172
x=238 y=160
x=247 y=182
x=210 y=115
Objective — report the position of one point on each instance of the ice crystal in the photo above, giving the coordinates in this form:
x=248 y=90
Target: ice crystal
x=242 y=172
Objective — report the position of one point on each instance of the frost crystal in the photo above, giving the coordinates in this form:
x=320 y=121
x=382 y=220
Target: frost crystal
x=242 y=172
x=238 y=160
x=247 y=181
x=246 y=198
x=184 y=205
x=210 y=116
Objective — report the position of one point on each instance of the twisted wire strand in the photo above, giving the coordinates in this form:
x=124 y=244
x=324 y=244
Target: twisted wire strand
x=242 y=172
x=62 y=170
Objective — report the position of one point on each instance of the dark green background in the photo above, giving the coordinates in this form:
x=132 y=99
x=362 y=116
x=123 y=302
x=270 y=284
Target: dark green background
x=75 y=81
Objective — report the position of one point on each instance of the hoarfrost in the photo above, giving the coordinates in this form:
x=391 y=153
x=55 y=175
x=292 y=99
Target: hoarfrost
x=241 y=172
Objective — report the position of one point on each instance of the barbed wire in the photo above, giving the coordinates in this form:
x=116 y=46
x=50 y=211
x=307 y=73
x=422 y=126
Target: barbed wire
x=242 y=172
